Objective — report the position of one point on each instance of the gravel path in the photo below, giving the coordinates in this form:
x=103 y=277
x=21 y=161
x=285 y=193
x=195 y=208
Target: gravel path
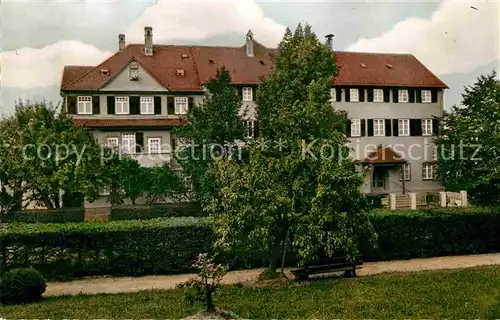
x=134 y=284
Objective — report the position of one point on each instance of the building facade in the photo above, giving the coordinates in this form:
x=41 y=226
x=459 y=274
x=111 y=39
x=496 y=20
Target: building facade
x=136 y=97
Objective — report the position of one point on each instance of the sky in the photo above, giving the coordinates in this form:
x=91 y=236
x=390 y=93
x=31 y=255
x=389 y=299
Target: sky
x=457 y=40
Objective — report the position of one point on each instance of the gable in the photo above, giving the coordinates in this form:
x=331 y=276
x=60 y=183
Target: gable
x=122 y=82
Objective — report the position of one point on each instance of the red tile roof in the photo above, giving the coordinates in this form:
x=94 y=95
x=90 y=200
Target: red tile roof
x=356 y=68
x=103 y=123
x=384 y=155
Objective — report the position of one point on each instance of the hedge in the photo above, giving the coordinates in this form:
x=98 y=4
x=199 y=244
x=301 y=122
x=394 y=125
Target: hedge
x=144 y=212
x=46 y=216
x=157 y=246
x=168 y=245
x=435 y=232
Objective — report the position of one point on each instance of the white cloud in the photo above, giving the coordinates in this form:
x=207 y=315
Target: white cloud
x=31 y=68
x=456 y=39
x=198 y=20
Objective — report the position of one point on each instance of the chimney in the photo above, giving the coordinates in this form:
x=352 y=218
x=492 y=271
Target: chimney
x=329 y=41
x=148 y=41
x=249 y=44
x=121 y=42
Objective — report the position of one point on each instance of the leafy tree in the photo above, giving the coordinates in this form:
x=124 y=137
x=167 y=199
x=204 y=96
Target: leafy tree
x=469 y=140
x=211 y=128
x=128 y=175
x=298 y=184
x=42 y=153
x=163 y=183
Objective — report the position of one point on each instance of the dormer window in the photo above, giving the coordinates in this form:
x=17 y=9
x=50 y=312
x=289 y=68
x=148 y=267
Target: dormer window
x=180 y=72
x=134 y=71
x=104 y=72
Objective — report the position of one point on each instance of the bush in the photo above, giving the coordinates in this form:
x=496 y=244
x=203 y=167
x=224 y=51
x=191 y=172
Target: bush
x=133 y=247
x=46 y=216
x=144 y=212
x=22 y=285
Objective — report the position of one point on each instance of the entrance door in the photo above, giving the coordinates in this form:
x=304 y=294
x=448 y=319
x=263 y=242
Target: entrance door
x=380 y=175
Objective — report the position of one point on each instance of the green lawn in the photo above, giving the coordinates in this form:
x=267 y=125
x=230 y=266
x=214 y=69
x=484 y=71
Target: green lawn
x=468 y=293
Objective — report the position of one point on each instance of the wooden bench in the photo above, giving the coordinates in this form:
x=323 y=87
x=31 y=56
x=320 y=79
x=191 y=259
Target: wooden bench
x=327 y=266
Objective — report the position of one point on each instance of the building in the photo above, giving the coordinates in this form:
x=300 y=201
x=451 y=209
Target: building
x=134 y=99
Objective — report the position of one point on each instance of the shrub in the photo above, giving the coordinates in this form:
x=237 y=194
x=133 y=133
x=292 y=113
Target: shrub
x=46 y=216
x=144 y=212
x=23 y=285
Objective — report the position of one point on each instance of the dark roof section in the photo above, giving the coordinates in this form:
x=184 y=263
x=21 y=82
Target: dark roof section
x=106 y=123
x=199 y=66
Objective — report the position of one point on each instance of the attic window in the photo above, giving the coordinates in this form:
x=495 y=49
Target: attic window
x=134 y=71
x=262 y=62
x=363 y=65
x=389 y=66
x=180 y=72
x=104 y=72
x=184 y=56
x=211 y=61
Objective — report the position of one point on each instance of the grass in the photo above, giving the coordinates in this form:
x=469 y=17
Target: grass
x=467 y=293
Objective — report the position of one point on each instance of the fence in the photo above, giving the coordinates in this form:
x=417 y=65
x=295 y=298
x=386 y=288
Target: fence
x=425 y=200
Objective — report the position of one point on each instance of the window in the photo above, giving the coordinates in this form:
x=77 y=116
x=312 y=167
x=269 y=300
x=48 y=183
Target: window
x=354 y=94
x=427 y=171
x=378 y=95
x=250 y=128
x=403 y=95
x=154 y=145
x=403 y=127
x=355 y=127
x=426 y=96
x=378 y=127
x=134 y=71
x=333 y=94
x=427 y=127
x=406 y=172
x=121 y=105
x=147 y=106
x=181 y=105
x=247 y=94
x=112 y=142
x=85 y=105
x=128 y=143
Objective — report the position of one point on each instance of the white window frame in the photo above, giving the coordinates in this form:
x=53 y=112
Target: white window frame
x=355 y=127
x=250 y=128
x=378 y=95
x=378 y=130
x=406 y=172
x=128 y=143
x=84 y=104
x=354 y=95
x=403 y=127
x=247 y=93
x=427 y=171
x=112 y=142
x=426 y=96
x=181 y=105
x=122 y=105
x=427 y=127
x=147 y=105
x=150 y=145
x=403 y=95
x=333 y=95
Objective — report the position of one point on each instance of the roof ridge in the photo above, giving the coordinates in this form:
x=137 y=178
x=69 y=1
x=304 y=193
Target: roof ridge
x=195 y=65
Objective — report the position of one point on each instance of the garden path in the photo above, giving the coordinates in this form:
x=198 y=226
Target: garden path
x=134 y=284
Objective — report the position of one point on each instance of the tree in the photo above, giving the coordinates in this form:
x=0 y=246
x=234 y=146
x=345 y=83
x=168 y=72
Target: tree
x=43 y=155
x=298 y=184
x=163 y=183
x=211 y=129
x=467 y=157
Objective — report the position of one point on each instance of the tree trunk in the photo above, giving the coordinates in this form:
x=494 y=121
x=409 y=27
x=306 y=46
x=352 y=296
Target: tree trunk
x=285 y=248
x=210 y=303
x=273 y=259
